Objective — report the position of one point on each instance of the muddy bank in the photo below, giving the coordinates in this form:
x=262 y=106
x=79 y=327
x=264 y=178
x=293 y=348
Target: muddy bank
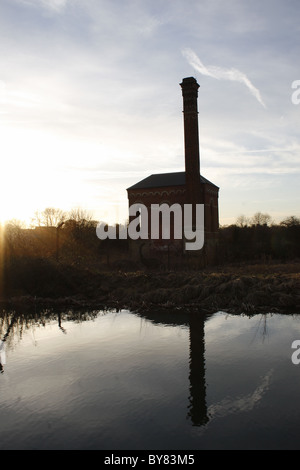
x=237 y=289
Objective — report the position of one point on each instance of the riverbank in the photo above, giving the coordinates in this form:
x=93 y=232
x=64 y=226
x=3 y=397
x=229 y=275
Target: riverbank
x=251 y=288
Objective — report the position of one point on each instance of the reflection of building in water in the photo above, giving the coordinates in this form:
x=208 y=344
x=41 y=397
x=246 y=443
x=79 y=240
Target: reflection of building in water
x=15 y=324
x=197 y=407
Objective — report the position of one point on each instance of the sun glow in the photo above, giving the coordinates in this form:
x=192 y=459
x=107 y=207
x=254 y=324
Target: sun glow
x=39 y=170
x=30 y=179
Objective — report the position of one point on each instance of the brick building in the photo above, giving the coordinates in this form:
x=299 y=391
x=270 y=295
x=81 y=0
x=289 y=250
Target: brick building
x=185 y=187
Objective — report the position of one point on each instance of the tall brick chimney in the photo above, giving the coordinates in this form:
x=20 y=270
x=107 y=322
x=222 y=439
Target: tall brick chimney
x=189 y=88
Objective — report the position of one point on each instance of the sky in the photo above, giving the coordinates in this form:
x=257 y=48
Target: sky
x=90 y=102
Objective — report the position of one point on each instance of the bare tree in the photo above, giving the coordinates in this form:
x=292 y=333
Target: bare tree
x=81 y=227
x=13 y=236
x=242 y=221
x=80 y=216
x=290 y=221
x=78 y=213
x=13 y=229
x=49 y=217
x=15 y=225
x=261 y=219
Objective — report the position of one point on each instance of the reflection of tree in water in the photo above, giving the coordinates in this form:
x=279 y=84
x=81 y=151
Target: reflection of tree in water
x=2 y=343
x=262 y=327
x=13 y=324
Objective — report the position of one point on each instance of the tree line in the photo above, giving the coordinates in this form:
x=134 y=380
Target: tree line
x=70 y=237
x=260 y=239
x=53 y=233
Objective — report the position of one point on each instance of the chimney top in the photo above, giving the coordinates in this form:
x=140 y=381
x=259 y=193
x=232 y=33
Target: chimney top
x=189 y=81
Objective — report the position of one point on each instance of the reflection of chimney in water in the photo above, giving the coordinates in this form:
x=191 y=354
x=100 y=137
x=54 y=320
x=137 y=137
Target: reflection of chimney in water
x=197 y=407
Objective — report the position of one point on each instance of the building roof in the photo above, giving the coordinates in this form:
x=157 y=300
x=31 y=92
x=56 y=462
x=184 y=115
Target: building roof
x=165 y=179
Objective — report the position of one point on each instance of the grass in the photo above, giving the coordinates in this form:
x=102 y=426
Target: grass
x=232 y=287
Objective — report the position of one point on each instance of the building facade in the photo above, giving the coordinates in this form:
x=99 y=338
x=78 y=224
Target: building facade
x=186 y=187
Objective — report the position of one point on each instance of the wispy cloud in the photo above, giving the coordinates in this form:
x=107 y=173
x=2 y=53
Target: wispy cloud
x=221 y=73
x=241 y=404
x=52 y=5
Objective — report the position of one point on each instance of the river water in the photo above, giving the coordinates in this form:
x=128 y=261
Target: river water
x=123 y=381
